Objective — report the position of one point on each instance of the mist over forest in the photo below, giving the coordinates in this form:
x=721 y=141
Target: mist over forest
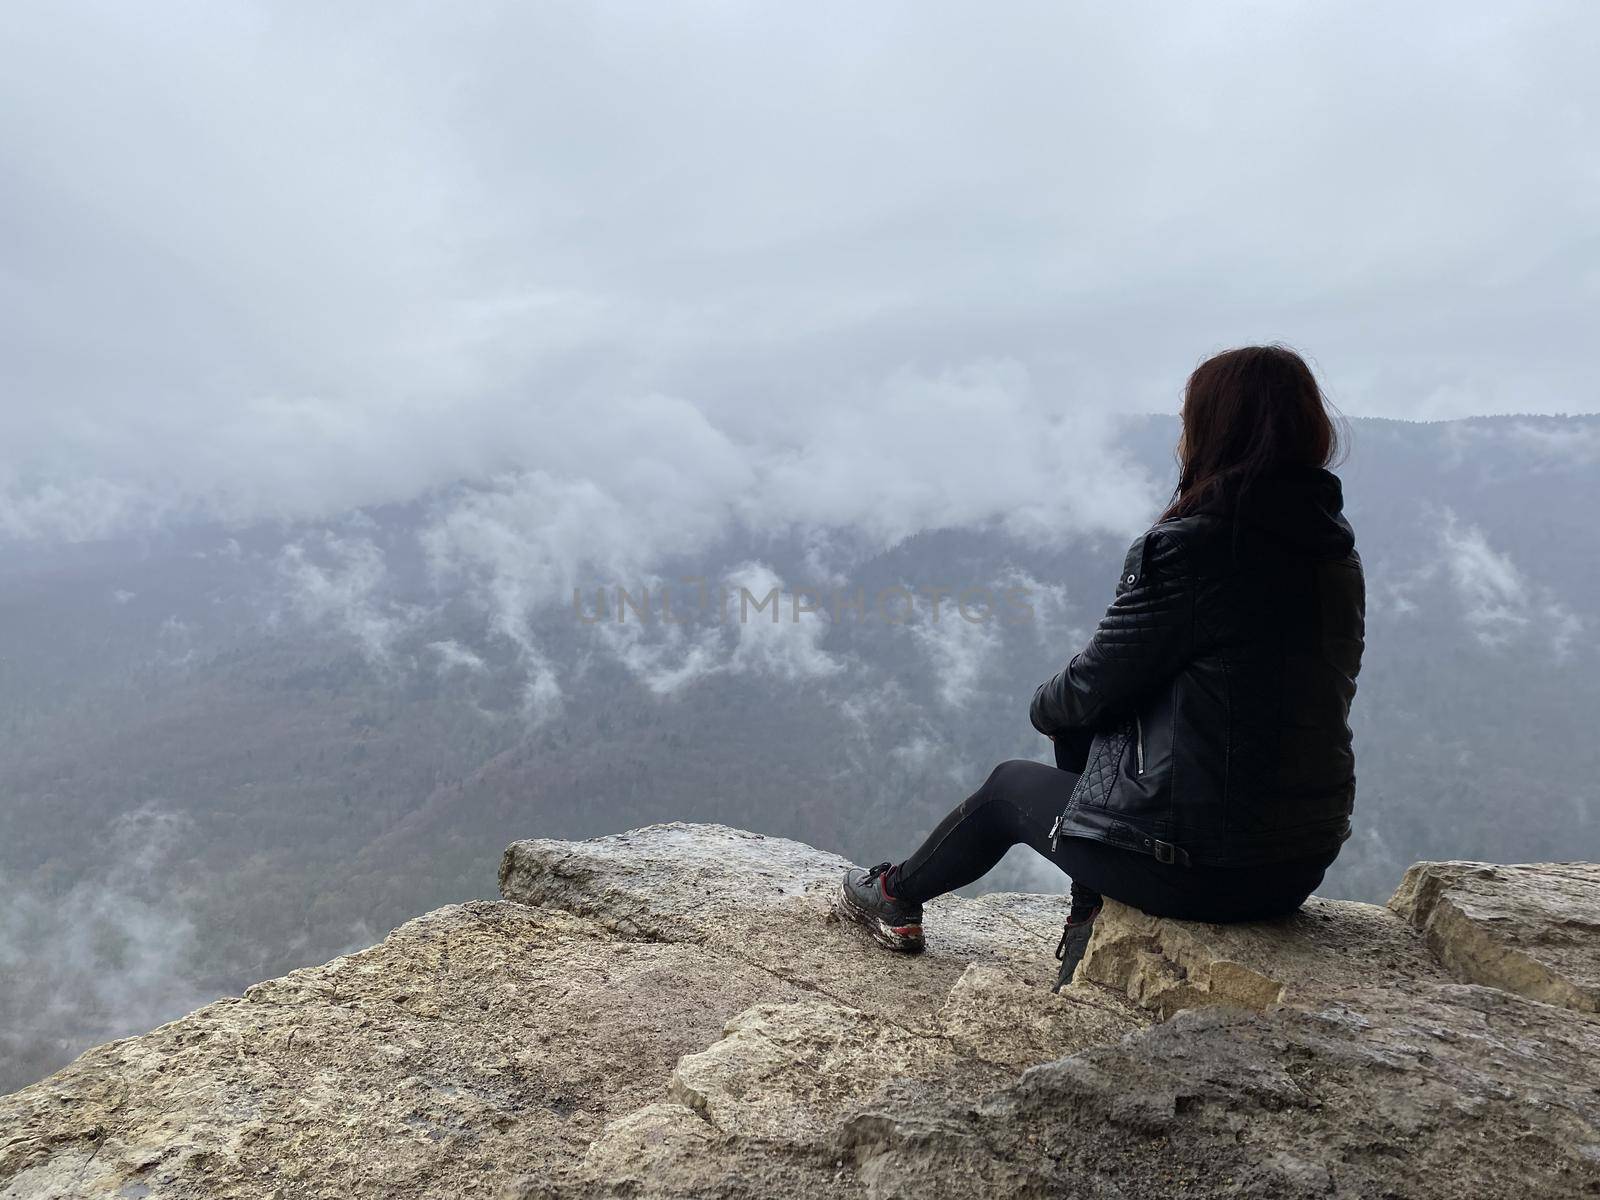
x=229 y=751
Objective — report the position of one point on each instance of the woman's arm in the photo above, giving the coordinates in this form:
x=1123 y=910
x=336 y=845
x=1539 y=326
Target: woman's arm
x=1145 y=636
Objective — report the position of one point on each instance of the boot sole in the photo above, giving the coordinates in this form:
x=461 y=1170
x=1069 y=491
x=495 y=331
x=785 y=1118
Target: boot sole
x=903 y=939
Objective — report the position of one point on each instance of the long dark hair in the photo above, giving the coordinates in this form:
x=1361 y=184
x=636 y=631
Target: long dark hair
x=1248 y=412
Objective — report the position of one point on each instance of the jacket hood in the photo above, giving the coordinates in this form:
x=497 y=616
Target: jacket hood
x=1302 y=506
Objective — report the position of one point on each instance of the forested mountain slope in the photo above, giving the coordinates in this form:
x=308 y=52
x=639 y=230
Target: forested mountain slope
x=227 y=752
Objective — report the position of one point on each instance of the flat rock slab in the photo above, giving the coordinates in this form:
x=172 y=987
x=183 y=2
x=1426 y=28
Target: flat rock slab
x=770 y=901
x=1533 y=930
x=475 y=1046
x=1423 y=1091
x=787 y=1071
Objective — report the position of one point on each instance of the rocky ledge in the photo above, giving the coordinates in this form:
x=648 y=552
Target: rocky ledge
x=676 y=1012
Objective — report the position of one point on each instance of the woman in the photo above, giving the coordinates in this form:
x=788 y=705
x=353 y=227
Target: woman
x=1202 y=738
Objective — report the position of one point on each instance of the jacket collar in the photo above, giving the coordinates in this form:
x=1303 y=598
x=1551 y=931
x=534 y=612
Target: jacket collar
x=1299 y=505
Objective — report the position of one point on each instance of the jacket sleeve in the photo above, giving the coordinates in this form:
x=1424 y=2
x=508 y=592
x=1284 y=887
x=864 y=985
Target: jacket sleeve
x=1141 y=642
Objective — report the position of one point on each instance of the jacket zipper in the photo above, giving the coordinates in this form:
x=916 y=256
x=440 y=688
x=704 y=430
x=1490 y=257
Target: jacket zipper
x=1138 y=745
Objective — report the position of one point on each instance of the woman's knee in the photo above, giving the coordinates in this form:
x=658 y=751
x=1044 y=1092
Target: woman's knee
x=1013 y=784
x=1013 y=775
x=998 y=786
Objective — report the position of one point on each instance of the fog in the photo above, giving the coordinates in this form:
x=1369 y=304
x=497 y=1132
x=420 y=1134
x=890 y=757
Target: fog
x=283 y=260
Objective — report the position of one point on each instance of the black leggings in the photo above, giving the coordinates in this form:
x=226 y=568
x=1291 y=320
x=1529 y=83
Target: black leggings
x=1018 y=803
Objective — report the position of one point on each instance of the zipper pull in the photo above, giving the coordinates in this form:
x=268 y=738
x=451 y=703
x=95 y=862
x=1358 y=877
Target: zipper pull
x=1055 y=831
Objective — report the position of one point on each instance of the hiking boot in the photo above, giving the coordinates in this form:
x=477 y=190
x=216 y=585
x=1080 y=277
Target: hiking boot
x=1070 y=949
x=864 y=898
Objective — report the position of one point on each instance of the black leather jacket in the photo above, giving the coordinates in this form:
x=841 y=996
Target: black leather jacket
x=1209 y=712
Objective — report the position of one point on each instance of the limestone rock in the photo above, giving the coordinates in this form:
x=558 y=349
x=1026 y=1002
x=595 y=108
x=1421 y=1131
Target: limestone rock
x=768 y=901
x=658 y=1139
x=676 y=1012
x=998 y=1018
x=482 y=1042
x=1425 y=1090
x=1533 y=930
x=1168 y=966
x=785 y=1071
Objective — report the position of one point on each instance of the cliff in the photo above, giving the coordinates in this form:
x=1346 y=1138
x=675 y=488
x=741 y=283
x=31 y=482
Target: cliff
x=674 y=1011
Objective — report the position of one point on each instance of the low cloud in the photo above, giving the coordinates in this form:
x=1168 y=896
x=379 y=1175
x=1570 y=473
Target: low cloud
x=959 y=652
x=415 y=278
x=1500 y=603
x=786 y=646
x=453 y=656
x=110 y=956
x=340 y=581
x=1559 y=445
x=751 y=623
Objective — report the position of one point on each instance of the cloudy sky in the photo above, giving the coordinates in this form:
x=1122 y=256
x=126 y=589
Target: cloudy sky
x=889 y=264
